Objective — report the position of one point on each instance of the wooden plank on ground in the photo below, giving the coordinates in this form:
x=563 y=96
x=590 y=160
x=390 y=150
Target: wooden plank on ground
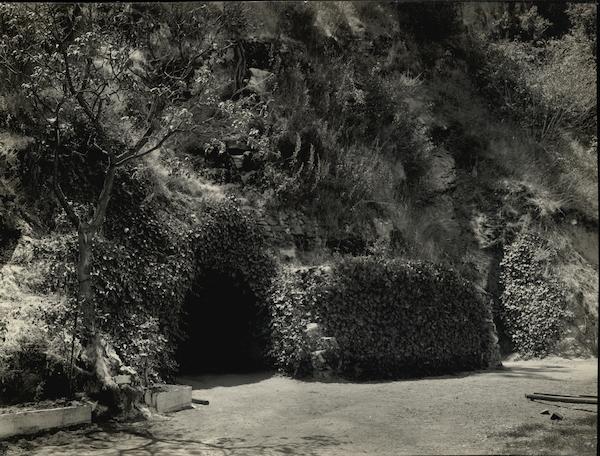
x=567 y=395
x=569 y=399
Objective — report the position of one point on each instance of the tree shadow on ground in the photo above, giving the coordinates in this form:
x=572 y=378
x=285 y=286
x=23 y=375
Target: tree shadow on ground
x=208 y=381
x=129 y=439
x=534 y=373
x=144 y=442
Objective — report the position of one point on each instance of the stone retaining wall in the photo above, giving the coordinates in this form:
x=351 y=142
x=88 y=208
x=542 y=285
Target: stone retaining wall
x=292 y=229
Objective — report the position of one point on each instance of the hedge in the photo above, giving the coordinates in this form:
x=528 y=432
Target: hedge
x=390 y=317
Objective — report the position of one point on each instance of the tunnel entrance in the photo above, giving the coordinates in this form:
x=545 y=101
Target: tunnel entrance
x=224 y=330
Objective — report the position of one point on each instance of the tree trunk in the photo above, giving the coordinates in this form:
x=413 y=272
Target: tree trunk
x=85 y=295
x=104 y=360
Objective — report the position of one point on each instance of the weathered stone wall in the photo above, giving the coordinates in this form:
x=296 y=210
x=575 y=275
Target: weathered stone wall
x=293 y=228
x=291 y=231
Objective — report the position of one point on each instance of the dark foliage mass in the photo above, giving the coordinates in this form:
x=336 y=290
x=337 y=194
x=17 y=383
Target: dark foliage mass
x=390 y=318
x=29 y=374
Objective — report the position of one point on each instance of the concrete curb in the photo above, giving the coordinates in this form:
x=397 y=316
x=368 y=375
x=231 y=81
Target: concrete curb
x=169 y=398
x=33 y=421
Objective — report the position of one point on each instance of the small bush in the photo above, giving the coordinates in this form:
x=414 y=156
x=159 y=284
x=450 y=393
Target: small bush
x=390 y=318
x=291 y=298
x=533 y=304
x=348 y=184
x=32 y=365
x=546 y=85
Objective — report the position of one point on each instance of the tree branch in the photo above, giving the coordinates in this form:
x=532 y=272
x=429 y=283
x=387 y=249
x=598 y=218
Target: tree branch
x=104 y=198
x=71 y=215
x=150 y=120
x=152 y=149
x=78 y=94
x=124 y=158
x=86 y=75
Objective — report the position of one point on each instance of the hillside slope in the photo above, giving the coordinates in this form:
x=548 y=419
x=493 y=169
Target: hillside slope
x=460 y=134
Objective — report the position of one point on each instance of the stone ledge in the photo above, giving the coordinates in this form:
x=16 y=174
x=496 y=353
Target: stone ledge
x=33 y=421
x=168 y=398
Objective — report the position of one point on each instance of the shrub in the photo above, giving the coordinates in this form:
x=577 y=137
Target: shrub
x=137 y=300
x=293 y=294
x=533 y=304
x=345 y=185
x=390 y=318
x=141 y=269
x=297 y=21
x=583 y=19
x=546 y=85
x=32 y=362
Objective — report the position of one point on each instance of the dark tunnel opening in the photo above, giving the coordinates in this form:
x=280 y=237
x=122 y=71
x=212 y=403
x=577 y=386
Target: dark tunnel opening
x=224 y=332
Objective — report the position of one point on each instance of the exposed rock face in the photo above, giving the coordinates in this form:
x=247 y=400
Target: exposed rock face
x=292 y=232
x=585 y=242
x=325 y=352
x=442 y=172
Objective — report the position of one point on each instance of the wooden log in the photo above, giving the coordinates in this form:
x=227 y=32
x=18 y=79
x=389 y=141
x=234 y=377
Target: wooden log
x=567 y=395
x=570 y=399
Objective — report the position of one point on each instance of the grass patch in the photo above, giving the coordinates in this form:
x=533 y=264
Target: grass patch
x=571 y=436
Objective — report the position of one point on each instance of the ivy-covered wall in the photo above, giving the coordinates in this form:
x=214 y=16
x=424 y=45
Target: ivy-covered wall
x=535 y=310
x=144 y=265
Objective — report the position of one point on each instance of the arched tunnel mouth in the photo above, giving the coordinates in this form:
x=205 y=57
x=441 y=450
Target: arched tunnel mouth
x=224 y=330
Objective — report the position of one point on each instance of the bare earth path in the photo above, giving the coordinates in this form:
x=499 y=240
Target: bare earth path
x=477 y=413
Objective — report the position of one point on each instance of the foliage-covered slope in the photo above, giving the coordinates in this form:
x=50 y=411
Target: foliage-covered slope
x=440 y=132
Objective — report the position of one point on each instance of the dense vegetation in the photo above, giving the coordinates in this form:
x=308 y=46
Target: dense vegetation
x=141 y=144
x=389 y=318
x=534 y=305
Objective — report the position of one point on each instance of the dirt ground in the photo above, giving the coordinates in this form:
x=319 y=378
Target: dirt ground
x=266 y=414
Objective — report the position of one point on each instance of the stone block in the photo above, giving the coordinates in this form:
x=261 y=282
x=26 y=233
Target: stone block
x=33 y=421
x=238 y=160
x=329 y=344
x=318 y=360
x=168 y=398
x=313 y=331
x=122 y=379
